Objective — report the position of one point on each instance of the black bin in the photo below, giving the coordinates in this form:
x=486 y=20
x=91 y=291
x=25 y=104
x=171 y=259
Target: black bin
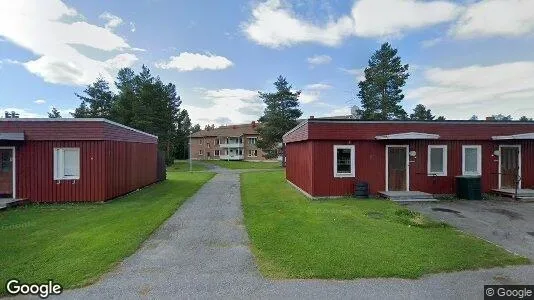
x=361 y=190
x=469 y=187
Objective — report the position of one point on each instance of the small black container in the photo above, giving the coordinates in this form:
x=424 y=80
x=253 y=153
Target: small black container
x=361 y=190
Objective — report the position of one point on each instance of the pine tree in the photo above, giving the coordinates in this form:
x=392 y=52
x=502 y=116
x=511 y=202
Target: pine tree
x=381 y=91
x=525 y=119
x=54 y=113
x=280 y=115
x=420 y=113
x=97 y=101
x=440 y=118
x=473 y=118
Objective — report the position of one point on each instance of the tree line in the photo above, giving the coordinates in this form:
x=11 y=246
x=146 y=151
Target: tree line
x=141 y=101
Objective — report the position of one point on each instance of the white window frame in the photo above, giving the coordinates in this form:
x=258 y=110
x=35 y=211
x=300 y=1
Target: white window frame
x=59 y=163
x=252 y=140
x=200 y=141
x=216 y=153
x=479 y=160
x=251 y=153
x=200 y=152
x=429 y=171
x=208 y=145
x=352 y=149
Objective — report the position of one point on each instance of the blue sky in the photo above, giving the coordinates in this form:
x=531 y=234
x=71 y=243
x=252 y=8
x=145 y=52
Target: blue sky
x=466 y=57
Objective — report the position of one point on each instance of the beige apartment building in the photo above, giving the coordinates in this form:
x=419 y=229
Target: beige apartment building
x=232 y=142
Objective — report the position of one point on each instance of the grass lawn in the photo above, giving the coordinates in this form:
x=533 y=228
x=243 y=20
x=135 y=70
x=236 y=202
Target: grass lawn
x=183 y=166
x=295 y=237
x=74 y=244
x=241 y=164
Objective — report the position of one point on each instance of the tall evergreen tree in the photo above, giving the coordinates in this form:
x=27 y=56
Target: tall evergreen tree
x=440 y=118
x=381 y=90
x=501 y=117
x=280 y=115
x=525 y=119
x=473 y=118
x=54 y=113
x=97 y=101
x=420 y=113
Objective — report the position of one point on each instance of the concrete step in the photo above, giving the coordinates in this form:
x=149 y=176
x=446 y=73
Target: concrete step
x=414 y=200
x=5 y=203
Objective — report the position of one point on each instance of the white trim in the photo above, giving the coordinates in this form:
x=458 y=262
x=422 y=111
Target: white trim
x=408 y=136
x=518 y=162
x=60 y=162
x=479 y=160
x=522 y=136
x=407 y=165
x=250 y=152
x=445 y=154
x=352 y=161
x=14 y=167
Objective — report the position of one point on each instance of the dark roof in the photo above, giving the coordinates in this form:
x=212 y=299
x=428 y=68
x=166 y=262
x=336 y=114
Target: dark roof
x=79 y=129
x=229 y=130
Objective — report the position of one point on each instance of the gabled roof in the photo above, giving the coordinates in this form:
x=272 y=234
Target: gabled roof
x=229 y=131
x=522 y=136
x=408 y=136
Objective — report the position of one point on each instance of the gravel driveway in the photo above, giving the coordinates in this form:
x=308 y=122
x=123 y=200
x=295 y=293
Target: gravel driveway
x=202 y=251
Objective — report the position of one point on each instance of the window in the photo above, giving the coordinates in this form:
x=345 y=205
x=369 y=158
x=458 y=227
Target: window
x=66 y=163
x=252 y=141
x=252 y=153
x=437 y=160
x=199 y=152
x=216 y=153
x=207 y=145
x=240 y=152
x=472 y=160
x=344 y=161
x=200 y=142
x=217 y=142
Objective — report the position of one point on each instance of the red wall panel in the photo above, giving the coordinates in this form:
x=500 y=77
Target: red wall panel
x=299 y=158
x=370 y=166
x=107 y=169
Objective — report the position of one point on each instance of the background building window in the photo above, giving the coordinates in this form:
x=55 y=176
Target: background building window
x=344 y=161
x=472 y=160
x=252 y=153
x=216 y=153
x=207 y=145
x=199 y=152
x=66 y=163
x=252 y=141
x=437 y=160
x=200 y=142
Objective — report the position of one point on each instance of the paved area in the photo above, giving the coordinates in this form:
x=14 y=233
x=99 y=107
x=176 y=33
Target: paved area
x=203 y=252
x=504 y=222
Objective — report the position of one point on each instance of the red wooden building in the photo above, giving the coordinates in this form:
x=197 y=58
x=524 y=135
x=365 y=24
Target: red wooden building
x=70 y=160
x=326 y=157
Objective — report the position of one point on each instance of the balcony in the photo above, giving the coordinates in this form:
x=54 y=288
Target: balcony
x=231 y=157
x=231 y=145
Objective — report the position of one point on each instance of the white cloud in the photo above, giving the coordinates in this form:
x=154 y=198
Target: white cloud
x=276 y=25
x=496 y=18
x=312 y=92
x=381 y=18
x=39 y=101
x=359 y=74
x=112 y=21
x=480 y=90
x=132 y=27
x=319 y=60
x=46 y=34
x=225 y=106
x=186 y=61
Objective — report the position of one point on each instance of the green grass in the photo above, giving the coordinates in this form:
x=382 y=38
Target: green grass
x=245 y=164
x=183 y=166
x=74 y=244
x=295 y=237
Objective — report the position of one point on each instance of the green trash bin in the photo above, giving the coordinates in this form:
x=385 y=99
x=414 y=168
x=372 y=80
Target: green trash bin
x=469 y=187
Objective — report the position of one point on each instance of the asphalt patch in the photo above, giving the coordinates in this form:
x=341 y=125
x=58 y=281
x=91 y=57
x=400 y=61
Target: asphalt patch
x=510 y=214
x=448 y=210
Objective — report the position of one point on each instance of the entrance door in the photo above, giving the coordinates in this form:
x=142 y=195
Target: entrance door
x=509 y=167
x=6 y=173
x=397 y=173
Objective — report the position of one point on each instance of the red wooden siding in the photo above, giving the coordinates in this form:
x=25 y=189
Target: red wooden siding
x=299 y=165
x=107 y=169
